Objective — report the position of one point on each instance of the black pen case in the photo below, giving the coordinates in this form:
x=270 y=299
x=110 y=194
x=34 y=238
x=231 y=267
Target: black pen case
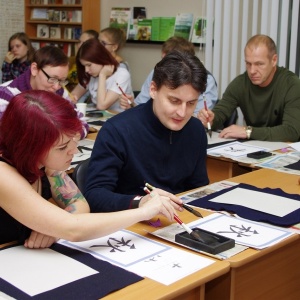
x=212 y=243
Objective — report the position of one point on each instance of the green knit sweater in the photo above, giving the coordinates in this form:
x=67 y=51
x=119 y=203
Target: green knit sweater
x=272 y=111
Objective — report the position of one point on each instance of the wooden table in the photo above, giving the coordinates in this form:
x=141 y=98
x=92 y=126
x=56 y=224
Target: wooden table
x=222 y=168
x=272 y=273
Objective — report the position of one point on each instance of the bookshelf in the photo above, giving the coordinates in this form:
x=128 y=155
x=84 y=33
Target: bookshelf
x=56 y=22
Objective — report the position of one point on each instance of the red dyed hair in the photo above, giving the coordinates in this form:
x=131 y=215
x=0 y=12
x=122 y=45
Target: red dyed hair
x=92 y=51
x=32 y=123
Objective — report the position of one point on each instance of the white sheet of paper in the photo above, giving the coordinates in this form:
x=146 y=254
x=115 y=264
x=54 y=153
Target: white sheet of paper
x=5 y=297
x=245 y=232
x=35 y=271
x=267 y=145
x=170 y=266
x=214 y=139
x=143 y=256
x=86 y=143
x=295 y=146
x=234 y=149
x=268 y=203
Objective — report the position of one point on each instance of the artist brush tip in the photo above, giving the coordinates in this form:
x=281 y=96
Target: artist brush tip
x=210 y=133
x=196 y=236
x=196 y=213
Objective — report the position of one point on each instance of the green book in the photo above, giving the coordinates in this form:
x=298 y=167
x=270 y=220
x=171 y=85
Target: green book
x=120 y=17
x=155 y=29
x=162 y=28
x=166 y=28
x=183 y=25
x=144 y=30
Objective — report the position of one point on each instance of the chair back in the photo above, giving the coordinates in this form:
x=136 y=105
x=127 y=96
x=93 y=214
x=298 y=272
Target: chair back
x=79 y=174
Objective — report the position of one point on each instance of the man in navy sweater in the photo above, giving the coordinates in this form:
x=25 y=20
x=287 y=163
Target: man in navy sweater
x=158 y=142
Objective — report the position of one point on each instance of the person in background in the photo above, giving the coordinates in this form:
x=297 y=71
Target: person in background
x=179 y=44
x=38 y=138
x=114 y=39
x=158 y=142
x=100 y=74
x=48 y=71
x=268 y=96
x=72 y=76
x=18 y=58
x=86 y=35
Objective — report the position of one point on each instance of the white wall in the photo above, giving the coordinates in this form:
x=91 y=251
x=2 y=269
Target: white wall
x=142 y=58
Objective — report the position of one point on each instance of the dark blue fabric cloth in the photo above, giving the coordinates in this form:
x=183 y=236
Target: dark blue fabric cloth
x=134 y=147
x=110 y=278
x=248 y=213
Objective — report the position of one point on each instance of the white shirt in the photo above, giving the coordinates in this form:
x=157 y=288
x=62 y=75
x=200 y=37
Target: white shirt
x=122 y=77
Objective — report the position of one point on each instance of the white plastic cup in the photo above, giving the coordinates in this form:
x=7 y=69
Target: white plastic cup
x=82 y=108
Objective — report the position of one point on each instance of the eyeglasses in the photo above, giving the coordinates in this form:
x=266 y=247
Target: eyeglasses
x=105 y=44
x=53 y=80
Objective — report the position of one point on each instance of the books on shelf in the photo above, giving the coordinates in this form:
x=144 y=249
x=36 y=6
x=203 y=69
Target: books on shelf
x=55 y=32
x=198 y=34
x=183 y=25
x=42 y=31
x=72 y=33
x=162 y=28
x=120 y=17
x=64 y=15
x=36 y=45
x=39 y=14
x=139 y=13
x=71 y=1
x=67 y=48
x=144 y=30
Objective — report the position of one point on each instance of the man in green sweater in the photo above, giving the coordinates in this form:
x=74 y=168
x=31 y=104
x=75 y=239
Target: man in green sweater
x=268 y=96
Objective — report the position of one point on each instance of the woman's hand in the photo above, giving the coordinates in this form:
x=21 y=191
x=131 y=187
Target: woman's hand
x=107 y=70
x=9 y=57
x=39 y=240
x=161 y=202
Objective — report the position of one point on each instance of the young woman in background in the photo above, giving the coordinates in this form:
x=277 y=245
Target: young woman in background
x=18 y=58
x=114 y=39
x=100 y=74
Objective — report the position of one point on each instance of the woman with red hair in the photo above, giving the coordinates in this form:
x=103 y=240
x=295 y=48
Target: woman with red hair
x=38 y=139
x=100 y=74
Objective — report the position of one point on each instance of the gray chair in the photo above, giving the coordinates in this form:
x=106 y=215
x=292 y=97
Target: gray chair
x=79 y=174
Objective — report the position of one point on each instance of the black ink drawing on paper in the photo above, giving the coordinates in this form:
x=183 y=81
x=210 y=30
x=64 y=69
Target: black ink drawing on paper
x=240 y=231
x=117 y=245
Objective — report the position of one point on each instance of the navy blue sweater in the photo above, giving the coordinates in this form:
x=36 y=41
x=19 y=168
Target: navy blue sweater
x=133 y=148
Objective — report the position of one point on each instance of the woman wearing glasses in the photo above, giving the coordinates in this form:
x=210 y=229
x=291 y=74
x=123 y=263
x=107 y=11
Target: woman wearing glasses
x=48 y=71
x=113 y=39
x=38 y=138
x=101 y=75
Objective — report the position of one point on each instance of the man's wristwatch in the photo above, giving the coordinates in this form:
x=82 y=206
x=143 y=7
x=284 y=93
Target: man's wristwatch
x=248 y=131
x=136 y=201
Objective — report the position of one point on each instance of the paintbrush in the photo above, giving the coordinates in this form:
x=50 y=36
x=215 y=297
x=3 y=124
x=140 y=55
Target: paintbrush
x=148 y=188
x=208 y=123
x=123 y=93
x=192 y=233
x=188 y=208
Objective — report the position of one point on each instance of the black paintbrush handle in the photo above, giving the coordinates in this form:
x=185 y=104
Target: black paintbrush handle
x=191 y=210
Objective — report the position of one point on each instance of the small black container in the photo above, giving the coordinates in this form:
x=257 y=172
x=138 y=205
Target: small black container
x=212 y=243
